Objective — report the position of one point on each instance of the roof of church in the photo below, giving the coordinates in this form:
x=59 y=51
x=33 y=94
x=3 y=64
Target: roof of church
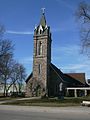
x=42 y=25
x=78 y=76
x=43 y=20
x=28 y=78
x=67 y=78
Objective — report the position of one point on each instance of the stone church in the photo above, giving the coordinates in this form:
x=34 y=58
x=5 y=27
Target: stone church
x=46 y=78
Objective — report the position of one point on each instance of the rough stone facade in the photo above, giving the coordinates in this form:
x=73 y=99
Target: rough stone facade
x=41 y=54
x=28 y=89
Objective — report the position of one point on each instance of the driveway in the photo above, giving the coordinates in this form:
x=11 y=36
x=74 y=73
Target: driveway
x=43 y=113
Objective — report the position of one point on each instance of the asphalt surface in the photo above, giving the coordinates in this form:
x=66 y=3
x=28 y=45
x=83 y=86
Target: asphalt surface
x=43 y=113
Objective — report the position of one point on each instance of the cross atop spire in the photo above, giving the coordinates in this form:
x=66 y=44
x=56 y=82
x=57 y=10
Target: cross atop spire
x=43 y=10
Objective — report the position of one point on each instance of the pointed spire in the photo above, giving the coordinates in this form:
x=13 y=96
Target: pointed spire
x=43 y=20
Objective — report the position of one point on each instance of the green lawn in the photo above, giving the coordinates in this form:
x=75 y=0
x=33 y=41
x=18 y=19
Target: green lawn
x=8 y=98
x=5 y=98
x=51 y=102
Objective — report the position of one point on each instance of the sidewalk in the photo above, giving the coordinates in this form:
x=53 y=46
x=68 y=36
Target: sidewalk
x=18 y=99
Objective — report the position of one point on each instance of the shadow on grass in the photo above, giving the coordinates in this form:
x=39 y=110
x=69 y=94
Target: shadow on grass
x=49 y=102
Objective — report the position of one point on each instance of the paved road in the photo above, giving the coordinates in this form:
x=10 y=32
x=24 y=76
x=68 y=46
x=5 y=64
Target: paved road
x=43 y=113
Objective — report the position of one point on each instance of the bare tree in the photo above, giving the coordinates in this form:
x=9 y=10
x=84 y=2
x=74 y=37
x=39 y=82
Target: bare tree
x=83 y=15
x=2 y=30
x=5 y=70
x=21 y=76
x=9 y=69
x=6 y=48
x=18 y=76
x=6 y=54
x=13 y=77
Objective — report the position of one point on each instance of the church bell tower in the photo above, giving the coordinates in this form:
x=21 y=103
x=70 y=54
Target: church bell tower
x=42 y=53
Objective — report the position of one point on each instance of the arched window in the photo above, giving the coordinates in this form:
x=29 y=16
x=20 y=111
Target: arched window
x=39 y=69
x=40 y=31
x=40 y=48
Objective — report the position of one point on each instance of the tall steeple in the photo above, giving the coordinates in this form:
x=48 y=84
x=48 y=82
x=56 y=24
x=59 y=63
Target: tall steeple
x=43 y=19
x=42 y=27
x=42 y=52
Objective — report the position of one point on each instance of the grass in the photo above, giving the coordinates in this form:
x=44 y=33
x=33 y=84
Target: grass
x=51 y=102
x=8 y=98
x=5 y=98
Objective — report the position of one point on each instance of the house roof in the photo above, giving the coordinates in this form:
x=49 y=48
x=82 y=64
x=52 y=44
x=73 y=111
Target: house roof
x=77 y=76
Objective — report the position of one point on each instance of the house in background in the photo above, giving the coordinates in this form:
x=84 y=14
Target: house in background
x=46 y=78
x=13 y=88
x=1 y=88
x=80 y=77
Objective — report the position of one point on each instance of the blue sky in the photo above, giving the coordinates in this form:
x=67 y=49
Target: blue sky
x=20 y=17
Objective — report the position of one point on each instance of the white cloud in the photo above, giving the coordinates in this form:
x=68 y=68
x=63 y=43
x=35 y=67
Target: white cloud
x=75 y=67
x=19 y=33
x=67 y=50
x=65 y=29
x=27 y=60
